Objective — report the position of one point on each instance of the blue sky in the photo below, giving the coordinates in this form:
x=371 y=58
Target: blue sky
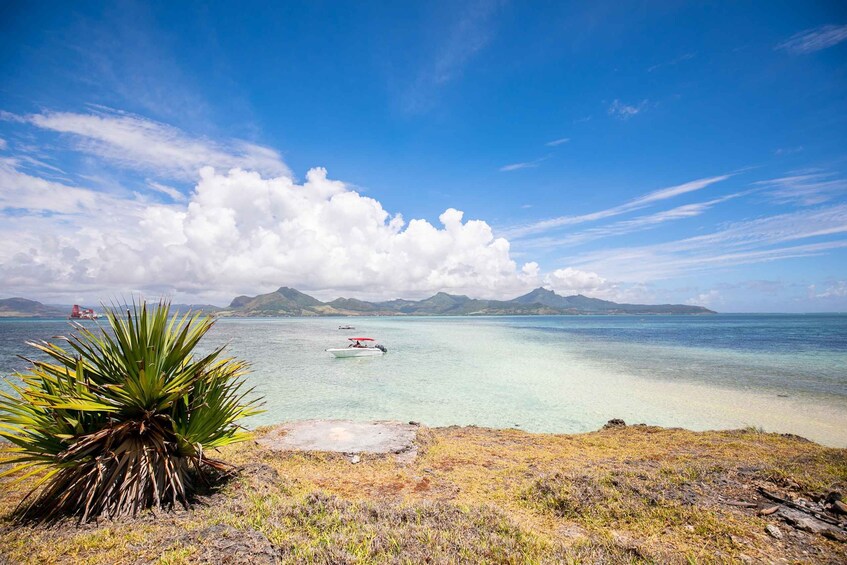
x=642 y=152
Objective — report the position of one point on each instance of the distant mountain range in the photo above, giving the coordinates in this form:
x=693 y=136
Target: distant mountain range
x=291 y=302
x=23 y=308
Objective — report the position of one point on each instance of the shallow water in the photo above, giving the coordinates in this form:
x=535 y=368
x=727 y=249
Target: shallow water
x=785 y=373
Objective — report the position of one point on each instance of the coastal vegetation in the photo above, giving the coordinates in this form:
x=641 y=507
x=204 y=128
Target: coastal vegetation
x=122 y=418
x=626 y=494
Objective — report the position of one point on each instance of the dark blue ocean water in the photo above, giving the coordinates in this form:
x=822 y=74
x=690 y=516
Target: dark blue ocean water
x=759 y=333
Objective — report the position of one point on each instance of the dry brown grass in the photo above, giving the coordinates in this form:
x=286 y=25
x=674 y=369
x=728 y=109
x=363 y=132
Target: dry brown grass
x=636 y=494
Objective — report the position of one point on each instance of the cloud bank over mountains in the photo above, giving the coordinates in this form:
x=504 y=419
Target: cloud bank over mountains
x=246 y=226
x=239 y=232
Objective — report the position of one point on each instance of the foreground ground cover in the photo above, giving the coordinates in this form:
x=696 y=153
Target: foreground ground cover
x=634 y=494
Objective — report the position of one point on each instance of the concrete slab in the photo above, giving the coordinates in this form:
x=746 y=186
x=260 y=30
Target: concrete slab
x=341 y=436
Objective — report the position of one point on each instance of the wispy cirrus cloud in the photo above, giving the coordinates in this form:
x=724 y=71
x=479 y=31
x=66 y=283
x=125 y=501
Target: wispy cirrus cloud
x=623 y=111
x=37 y=195
x=471 y=31
x=170 y=191
x=134 y=58
x=673 y=62
x=524 y=165
x=641 y=223
x=518 y=166
x=137 y=143
x=805 y=189
x=25 y=158
x=811 y=40
x=764 y=239
x=630 y=206
x=535 y=162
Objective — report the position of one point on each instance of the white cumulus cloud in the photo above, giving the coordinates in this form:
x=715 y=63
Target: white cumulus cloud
x=833 y=289
x=573 y=281
x=242 y=232
x=710 y=298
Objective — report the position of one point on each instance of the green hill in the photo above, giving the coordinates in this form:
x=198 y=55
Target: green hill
x=284 y=301
x=24 y=308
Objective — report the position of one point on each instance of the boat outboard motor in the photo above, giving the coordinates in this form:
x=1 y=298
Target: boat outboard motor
x=382 y=348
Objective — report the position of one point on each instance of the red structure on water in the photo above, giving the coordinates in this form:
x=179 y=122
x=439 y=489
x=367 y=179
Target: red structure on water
x=78 y=313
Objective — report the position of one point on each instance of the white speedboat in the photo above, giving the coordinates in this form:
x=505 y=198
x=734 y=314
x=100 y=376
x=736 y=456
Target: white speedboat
x=359 y=347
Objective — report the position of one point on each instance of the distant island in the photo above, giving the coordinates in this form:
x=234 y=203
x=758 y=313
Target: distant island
x=286 y=302
x=23 y=308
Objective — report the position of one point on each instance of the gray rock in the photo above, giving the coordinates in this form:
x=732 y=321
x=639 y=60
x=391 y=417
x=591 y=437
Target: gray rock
x=341 y=436
x=614 y=423
x=773 y=531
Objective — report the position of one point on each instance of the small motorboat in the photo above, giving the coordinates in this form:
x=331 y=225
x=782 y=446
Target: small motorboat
x=346 y=328
x=359 y=347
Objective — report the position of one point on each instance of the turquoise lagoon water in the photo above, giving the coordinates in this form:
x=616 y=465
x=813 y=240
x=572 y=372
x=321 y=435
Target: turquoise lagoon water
x=784 y=373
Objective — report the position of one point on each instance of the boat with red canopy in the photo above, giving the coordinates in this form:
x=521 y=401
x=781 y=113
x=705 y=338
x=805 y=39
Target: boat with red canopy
x=359 y=347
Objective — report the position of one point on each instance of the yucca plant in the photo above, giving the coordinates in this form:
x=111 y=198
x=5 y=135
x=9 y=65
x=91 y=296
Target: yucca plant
x=123 y=418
